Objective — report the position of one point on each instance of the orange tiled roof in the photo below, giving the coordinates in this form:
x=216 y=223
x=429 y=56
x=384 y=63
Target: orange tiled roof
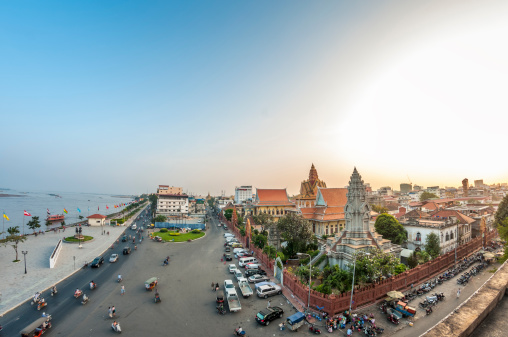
x=334 y=196
x=445 y=213
x=431 y=206
x=416 y=214
x=272 y=197
x=96 y=216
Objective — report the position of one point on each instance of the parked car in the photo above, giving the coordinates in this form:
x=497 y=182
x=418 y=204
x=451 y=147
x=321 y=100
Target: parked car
x=258 y=278
x=228 y=235
x=267 y=315
x=126 y=250
x=268 y=290
x=96 y=263
x=228 y=257
x=113 y=258
x=250 y=272
x=232 y=268
x=229 y=286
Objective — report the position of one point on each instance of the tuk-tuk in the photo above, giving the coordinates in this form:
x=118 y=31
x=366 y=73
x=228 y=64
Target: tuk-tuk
x=151 y=283
x=37 y=328
x=295 y=321
x=220 y=297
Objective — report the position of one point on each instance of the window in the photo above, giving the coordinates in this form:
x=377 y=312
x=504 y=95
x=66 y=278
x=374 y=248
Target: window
x=451 y=236
x=447 y=237
x=418 y=236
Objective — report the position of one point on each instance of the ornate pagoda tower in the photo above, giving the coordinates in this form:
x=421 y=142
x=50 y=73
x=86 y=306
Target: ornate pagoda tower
x=357 y=235
x=308 y=189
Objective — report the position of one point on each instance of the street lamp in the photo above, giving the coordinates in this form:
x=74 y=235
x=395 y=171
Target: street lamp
x=24 y=255
x=310 y=274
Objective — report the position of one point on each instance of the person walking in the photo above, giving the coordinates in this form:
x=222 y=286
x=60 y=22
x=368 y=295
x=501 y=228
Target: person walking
x=122 y=290
x=113 y=311
x=458 y=293
x=110 y=312
x=213 y=285
x=268 y=305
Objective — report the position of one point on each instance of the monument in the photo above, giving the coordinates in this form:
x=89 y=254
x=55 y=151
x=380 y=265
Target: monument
x=357 y=235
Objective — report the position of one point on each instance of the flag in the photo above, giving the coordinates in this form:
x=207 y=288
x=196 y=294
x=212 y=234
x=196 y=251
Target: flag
x=79 y=210
x=107 y=207
x=97 y=207
x=47 y=209
x=65 y=211
x=25 y=213
x=88 y=209
x=6 y=217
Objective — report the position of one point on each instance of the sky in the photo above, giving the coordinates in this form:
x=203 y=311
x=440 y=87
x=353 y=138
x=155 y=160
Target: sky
x=121 y=96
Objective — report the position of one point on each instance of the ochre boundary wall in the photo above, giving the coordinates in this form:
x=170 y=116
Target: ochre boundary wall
x=334 y=304
x=471 y=313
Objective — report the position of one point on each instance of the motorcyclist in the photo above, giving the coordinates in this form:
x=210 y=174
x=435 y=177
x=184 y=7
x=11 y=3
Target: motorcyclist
x=115 y=325
x=239 y=331
x=36 y=296
x=85 y=298
x=119 y=278
x=77 y=292
x=53 y=289
x=92 y=284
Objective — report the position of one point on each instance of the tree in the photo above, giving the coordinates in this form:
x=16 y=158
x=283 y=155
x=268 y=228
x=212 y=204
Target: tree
x=62 y=223
x=260 y=240
x=240 y=220
x=48 y=223
x=34 y=223
x=242 y=231
x=390 y=228
x=160 y=218
x=500 y=217
x=81 y=217
x=211 y=201
x=379 y=209
x=228 y=214
x=432 y=245
x=412 y=260
x=427 y=195
x=264 y=220
x=400 y=268
x=370 y=267
x=296 y=231
x=153 y=200
x=422 y=257
x=15 y=238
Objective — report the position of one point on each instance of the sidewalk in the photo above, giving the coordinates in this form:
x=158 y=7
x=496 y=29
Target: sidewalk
x=16 y=286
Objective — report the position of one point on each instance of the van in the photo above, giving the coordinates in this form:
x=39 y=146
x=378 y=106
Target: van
x=228 y=235
x=252 y=266
x=244 y=260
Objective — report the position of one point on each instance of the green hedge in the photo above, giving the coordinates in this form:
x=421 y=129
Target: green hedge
x=163 y=230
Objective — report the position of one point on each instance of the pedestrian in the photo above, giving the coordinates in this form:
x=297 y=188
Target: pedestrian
x=113 y=311
x=122 y=291
x=213 y=285
x=110 y=312
x=458 y=293
x=268 y=305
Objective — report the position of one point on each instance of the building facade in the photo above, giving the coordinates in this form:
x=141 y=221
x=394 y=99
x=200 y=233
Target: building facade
x=419 y=229
x=272 y=201
x=172 y=204
x=243 y=194
x=166 y=189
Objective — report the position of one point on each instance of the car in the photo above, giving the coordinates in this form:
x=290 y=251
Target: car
x=267 y=315
x=113 y=258
x=228 y=235
x=232 y=268
x=254 y=272
x=228 y=257
x=124 y=238
x=238 y=275
x=268 y=290
x=226 y=228
x=219 y=225
x=134 y=227
x=258 y=278
x=229 y=286
x=96 y=263
x=126 y=250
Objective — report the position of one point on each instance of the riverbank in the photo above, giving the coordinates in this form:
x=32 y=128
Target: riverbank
x=16 y=286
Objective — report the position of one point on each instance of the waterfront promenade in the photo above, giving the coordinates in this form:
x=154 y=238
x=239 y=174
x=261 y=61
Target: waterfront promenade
x=16 y=286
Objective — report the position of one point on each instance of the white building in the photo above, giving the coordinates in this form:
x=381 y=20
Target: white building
x=96 y=220
x=172 y=204
x=418 y=230
x=242 y=194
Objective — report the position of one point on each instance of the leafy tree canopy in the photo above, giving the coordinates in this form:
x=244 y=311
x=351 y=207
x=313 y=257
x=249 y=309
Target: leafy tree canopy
x=500 y=218
x=370 y=267
x=260 y=240
x=427 y=195
x=422 y=257
x=390 y=228
x=160 y=218
x=228 y=214
x=211 y=201
x=264 y=220
x=15 y=238
x=379 y=209
x=432 y=245
x=34 y=223
x=296 y=231
x=412 y=260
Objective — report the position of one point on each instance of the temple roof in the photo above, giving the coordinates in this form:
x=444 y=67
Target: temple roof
x=272 y=197
x=330 y=204
x=309 y=187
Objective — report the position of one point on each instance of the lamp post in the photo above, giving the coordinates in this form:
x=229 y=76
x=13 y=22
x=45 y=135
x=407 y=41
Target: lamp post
x=24 y=252
x=310 y=275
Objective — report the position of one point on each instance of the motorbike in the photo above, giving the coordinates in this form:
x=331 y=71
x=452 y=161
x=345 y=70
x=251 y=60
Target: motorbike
x=220 y=310
x=369 y=331
x=379 y=330
x=93 y=285
x=428 y=311
x=53 y=291
x=119 y=279
x=41 y=304
x=393 y=319
x=116 y=328
x=157 y=298
x=85 y=299
x=78 y=294
x=165 y=263
x=239 y=333
x=315 y=330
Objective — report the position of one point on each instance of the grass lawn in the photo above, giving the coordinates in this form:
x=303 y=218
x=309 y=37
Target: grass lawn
x=179 y=238
x=73 y=239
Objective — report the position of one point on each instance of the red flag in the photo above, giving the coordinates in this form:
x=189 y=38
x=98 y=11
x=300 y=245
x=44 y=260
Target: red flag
x=107 y=207
x=26 y=213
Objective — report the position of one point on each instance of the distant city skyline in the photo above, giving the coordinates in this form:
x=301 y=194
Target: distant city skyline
x=119 y=97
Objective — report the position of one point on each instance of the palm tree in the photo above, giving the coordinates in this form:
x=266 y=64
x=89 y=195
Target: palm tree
x=15 y=238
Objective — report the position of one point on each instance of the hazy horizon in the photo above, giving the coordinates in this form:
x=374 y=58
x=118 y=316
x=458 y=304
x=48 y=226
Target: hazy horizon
x=119 y=97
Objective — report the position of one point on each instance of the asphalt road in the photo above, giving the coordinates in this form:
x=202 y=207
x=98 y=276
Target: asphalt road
x=188 y=301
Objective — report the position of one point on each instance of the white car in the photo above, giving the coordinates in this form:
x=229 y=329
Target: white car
x=258 y=278
x=227 y=234
x=238 y=275
x=229 y=286
x=232 y=268
x=113 y=258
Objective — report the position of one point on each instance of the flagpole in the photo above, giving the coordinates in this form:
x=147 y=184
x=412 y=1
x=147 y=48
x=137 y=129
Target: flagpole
x=23 y=223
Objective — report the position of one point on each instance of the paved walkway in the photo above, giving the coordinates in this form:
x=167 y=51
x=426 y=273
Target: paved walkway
x=16 y=286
